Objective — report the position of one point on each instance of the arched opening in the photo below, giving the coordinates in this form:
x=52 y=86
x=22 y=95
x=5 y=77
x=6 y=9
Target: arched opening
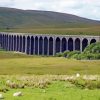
x=77 y=44
x=36 y=45
x=3 y=42
x=64 y=44
x=5 y=39
x=93 y=41
x=17 y=43
x=20 y=44
x=14 y=43
x=24 y=44
x=84 y=44
x=40 y=46
x=9 y=42
x=28 y=45
x=57 y=45
x=45 y=46
x=50 y=46
x=70 y=44
x=32 y=45
x=0 y=40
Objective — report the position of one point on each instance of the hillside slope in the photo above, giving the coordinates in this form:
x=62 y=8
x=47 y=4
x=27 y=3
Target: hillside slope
x=16 y=18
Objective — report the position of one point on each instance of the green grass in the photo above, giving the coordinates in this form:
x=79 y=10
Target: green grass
x=63 y=31
x=56 y=91
x=46 y=22
x=14 y=63
x=19 y=69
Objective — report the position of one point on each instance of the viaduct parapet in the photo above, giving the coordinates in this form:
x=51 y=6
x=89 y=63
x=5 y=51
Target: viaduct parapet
x=44 y=44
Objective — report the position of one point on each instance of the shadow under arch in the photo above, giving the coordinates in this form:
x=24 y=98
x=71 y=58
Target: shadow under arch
x=70 y=44
x=15 y=42
x=36 y=45
x=58 y=43
x=20 y=44
x=93 y=41
x=64 y=44
x=9 y=42
x=28 y=45
x=84 y=44
x=24 y=43
x=40 y=46
x=50 y=46
x=32 y=45
x=77 y=44
x=45 y=46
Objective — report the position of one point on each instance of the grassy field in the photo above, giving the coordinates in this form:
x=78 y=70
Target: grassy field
x=56 y=91
x=14 y=63
x=45 y=87
x=63 y=31
x=19 y=69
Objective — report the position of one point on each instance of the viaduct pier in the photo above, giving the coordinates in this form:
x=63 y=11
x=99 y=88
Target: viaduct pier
x=44 y=44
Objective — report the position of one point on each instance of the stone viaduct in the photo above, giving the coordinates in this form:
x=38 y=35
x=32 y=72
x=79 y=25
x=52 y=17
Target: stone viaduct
x=44 y=44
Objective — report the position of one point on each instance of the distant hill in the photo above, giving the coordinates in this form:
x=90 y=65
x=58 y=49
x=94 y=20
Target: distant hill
x=16 y=18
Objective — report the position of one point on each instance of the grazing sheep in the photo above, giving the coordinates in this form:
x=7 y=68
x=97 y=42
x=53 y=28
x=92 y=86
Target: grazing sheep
x=77 y=75
x=17 y=94
x=1 y=96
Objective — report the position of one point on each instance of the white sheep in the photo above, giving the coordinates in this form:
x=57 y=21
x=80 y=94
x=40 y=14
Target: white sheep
x=17 y=94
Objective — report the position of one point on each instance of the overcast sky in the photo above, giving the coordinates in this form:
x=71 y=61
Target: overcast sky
x=85 y=8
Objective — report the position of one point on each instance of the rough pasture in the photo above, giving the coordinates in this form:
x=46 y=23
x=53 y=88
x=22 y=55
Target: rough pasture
x=14 y=63
x=17 y=75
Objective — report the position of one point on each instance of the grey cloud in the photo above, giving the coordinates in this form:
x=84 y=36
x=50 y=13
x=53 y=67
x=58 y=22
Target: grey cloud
x=84 y=8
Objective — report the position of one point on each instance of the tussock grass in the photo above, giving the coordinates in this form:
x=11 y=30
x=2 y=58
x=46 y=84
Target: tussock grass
x=50 y=87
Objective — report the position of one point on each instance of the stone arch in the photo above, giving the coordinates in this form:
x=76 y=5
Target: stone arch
x=28 y=45
x=93 y=41
x=77 y=44
x=36 y=45
x=58 y=43
x=17 y=43
x=45 y=46
x=84 y=43
x=0 y=40
x=50 y=46
x=20 y=44
x=14 y=42
x=70 y=44
x=40 y=46
x=9 y=42
x=32 y=45
x=3 y=41
x=24 y=44
x=64 y=44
